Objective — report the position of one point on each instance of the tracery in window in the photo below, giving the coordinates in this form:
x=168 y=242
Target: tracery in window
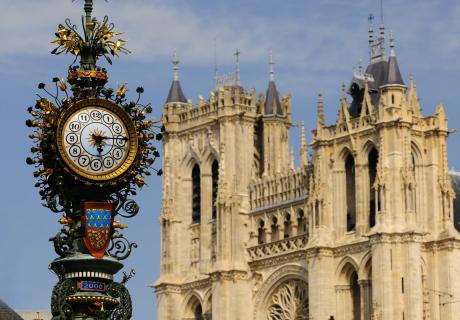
x=289 y=302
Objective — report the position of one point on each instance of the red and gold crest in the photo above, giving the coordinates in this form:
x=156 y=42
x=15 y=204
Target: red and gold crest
x=97 y=219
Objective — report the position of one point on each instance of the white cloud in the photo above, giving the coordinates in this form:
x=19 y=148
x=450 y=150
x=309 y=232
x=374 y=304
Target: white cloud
x=317 y=41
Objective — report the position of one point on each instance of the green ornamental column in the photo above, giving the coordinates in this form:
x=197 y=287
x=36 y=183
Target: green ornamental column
x=93 y=149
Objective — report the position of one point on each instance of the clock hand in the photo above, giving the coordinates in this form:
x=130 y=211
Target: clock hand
x=115 y=138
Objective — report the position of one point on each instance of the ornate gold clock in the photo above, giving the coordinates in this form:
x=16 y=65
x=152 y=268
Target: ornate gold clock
x=97 y=140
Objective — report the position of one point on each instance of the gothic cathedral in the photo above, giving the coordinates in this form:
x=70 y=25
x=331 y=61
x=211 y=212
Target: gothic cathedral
x=365 y=228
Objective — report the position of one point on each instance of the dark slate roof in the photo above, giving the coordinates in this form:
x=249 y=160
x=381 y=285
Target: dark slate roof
x=455 y=177
x=6 y=313
x=383 y=72
x=393 y=74
x=272 y=102
x=175 y=93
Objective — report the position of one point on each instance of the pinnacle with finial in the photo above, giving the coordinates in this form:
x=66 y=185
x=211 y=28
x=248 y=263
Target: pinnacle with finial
x=320 y=111
x=271 y=65
x=412 y=81
x=175 y=62
x=303 y=146
x=303 y=139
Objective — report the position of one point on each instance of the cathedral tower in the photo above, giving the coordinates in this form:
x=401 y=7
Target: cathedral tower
x=211 y=152
x=367 y=229
x=390 y=209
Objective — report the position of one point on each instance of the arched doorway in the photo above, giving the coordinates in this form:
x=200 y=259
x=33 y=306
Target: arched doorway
x=193 y=309
x=348 y=293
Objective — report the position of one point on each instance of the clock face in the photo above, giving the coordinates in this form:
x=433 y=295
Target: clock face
x=97 y=140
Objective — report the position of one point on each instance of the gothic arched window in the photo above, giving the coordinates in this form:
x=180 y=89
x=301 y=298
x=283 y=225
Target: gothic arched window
x=373 y=159
x=287 y=226
x=215 y=183
x=261 y=232
x=196 y=194
x=274 y=229
x=350 y=192
x=302 y=227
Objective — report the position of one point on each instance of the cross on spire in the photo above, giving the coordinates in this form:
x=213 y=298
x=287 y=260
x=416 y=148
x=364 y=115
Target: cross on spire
x=392 y=44
x=370 y=18
x=271 y=65
x=175 y=62
x=237 y=55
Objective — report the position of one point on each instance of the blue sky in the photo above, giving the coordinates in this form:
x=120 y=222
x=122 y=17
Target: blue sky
x=315 y=45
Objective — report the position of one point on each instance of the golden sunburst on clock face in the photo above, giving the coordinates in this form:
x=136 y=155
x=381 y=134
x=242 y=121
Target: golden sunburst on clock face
x=98 y=142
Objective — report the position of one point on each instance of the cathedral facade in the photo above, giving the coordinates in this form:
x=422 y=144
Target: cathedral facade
x=365 y=228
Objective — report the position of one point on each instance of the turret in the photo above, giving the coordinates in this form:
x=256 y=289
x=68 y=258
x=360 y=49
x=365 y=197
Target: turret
x=175 y=95
x=276 y=123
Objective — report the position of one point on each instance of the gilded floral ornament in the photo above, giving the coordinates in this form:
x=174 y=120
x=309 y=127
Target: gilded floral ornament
x=98 y=40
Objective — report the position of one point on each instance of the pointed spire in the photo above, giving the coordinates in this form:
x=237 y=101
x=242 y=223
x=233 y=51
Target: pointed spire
x=175 y=92
x=303 y=146
x=271 y=66
x=320 y=111
x=292 y=159
x=272 y=102
x=393 y=74
x=344 y=114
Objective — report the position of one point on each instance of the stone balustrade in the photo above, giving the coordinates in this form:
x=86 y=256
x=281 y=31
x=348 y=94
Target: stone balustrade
x=279 y=247
x=282 y=187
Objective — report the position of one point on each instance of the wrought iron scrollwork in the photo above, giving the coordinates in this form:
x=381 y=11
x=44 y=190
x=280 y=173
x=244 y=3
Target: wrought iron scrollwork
x=62 y=243
x=130 y=209
x=125 y=207
x=128 y=276
x=60 y=309
x=58 y=204
x=120 y=247
x=125 y=308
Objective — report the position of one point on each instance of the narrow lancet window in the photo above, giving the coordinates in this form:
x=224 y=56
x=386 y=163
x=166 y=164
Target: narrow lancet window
x=215 y=183
x=196 y=194
x=287 y=226
x=301 y=223
x=261 y=232
x=274 y=229
x=373 y=159
x=350 y=193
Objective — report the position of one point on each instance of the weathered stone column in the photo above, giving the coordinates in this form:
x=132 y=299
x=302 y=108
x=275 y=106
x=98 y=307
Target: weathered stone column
x=366 y=299
x=344 y=303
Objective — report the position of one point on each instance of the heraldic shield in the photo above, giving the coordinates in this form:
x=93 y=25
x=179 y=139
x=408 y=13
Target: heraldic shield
x=97 y=219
